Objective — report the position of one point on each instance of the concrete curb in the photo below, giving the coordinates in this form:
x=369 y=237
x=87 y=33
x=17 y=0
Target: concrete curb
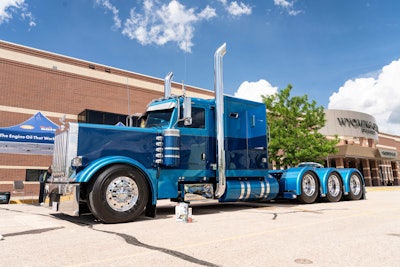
x=31 y=201
x=382 y=188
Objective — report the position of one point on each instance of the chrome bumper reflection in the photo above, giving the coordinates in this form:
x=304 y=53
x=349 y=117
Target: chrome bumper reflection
x=63 y=198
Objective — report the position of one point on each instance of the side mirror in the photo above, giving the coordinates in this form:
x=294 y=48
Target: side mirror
x=187 y=111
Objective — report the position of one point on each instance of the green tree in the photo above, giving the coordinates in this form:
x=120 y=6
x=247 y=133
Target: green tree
x=293 y=124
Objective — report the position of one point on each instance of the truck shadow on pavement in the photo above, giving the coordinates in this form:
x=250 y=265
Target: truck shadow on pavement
x=167 y=210
x=201 y=208
x=269 y=207
x=207 y=207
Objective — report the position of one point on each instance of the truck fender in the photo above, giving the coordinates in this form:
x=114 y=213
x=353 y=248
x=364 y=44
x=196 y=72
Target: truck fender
x=346 y=174
x=291 y=179
x=323 y=174
x=86 y=174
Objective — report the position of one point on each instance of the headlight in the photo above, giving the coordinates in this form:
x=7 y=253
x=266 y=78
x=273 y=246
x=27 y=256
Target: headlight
x=77 y=162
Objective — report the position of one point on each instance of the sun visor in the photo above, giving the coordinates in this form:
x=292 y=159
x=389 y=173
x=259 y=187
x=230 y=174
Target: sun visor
x=162 y=106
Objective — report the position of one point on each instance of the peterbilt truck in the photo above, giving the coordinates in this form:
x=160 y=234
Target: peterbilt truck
x=187 y=148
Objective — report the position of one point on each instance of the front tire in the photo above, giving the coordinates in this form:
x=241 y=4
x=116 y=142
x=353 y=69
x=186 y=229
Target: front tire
x=334 y=188
x=356 y=187
x=309 y=188
x=119 y=194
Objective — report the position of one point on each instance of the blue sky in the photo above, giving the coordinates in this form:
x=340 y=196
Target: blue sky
x=343 y=54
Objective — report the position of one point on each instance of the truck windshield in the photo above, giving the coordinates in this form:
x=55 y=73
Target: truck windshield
x=158 y=118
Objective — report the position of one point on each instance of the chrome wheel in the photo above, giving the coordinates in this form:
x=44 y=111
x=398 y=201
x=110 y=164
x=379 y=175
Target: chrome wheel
x=309 y=188
x=118 y=194
x=309 y=185
x=334 y=185
x=334 y=188
x=122 y=193
x=355 y=187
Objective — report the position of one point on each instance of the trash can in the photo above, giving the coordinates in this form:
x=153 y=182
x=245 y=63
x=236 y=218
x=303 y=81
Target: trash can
x=5 y=197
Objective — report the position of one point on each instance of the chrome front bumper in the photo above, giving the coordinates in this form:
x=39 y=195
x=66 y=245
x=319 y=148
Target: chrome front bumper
x=63 y=198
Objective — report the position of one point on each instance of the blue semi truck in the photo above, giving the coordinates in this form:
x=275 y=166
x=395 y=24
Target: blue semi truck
x=186 y=148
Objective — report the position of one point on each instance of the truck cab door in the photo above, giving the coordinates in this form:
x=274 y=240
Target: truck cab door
x=196 y=144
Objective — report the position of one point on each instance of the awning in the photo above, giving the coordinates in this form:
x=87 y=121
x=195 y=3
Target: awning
x=33 y=136
x=356 y=151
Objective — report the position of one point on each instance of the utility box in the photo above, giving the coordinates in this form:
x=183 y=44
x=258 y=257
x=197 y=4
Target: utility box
x=5 y=197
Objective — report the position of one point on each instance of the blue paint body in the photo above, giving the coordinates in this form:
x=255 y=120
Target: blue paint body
x=170 y=161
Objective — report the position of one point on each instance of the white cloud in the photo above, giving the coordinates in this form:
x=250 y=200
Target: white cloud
x=288 y=6
x=110 y=7
x=236 y=9
x=283 y=3
x=157 y=22
x=378 y=96
x=207 y=13
x=160 y=24
x=254 y=90
x=8 y=8
x=28 y=15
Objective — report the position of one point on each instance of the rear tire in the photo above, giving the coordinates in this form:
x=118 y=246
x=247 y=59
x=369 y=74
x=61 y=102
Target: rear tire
x=309 y=188
x=334 y=188
x=356 y=187
x=119 y=194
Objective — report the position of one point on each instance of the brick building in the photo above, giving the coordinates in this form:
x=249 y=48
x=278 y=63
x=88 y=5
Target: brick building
x=362 y=146
x=32 y=80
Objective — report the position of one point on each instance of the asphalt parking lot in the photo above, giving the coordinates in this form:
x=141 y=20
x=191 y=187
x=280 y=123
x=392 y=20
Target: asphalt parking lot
x=347 y=233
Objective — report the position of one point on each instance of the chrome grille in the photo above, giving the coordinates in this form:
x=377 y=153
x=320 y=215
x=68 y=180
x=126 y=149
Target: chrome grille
x=65 y=148
x=60 y=153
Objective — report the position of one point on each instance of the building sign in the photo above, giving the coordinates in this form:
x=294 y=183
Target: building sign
x=350 y=124
x=366 y=127
x=391 y=154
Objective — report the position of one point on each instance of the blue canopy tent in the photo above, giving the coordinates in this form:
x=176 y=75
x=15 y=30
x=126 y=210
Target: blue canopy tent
x=33 y=136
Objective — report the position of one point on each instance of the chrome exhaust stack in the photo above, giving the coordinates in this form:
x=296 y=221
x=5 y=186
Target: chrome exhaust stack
x=219 y=103
x=167 y=84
